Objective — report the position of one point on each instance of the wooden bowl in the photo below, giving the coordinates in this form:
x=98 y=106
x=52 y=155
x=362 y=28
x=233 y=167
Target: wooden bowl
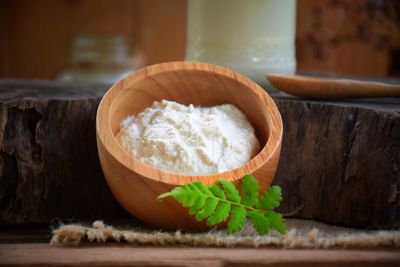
x=136 y=185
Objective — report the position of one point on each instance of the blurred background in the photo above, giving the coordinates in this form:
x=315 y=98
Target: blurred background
x=353 y=37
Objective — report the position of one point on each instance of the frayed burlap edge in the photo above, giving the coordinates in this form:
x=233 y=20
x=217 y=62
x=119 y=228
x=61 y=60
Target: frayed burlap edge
x=300 y=234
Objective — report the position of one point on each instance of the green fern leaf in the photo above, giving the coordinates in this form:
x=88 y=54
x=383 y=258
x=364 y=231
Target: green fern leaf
x=179 y=193
x=202 y=188
x=271 y=199
x=185 y=195
x=276 y=220
x=249 y=190
x=194 y=187
x=188 y=199
x=171 y=193
x=217 y=191
x=221 y=201
x=201 y=200
x=220 y=215
x=231 y=192
x=259 y=221
x=237 y=219
x=207 y=210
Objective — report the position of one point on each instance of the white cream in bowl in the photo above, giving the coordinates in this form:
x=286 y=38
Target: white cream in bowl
x=189 y=140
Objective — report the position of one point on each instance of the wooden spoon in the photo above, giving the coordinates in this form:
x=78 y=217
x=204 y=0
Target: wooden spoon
x=328 y=88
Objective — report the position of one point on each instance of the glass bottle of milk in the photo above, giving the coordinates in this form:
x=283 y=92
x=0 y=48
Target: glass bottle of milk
x=253 y=37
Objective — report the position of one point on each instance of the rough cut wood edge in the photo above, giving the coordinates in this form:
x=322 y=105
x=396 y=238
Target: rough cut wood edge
x=340 y=161
x=48 y=158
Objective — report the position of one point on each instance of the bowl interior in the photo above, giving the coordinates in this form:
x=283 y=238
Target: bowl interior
x=187 y=83
x=197 y=87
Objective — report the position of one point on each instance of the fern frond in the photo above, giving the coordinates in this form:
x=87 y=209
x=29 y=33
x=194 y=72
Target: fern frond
x=231 y=192
x=220 y=215
x=222 y=200
x=249 y=190
x=207 y=210
x=259 y=221
x=276 y=220
x=272 y=198
x=198 y=205
x=237 y=219
x=217 y=191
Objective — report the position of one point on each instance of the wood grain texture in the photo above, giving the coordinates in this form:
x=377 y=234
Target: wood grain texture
x=325 y=88
x=48 y=159
x=113 y=255
x=136 y=185
x=339 y=160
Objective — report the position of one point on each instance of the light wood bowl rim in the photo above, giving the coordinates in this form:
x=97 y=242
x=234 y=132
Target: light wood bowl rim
x=106 y=137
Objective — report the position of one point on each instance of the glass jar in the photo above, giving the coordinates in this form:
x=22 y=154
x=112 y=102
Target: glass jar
x=253 y=37
x=99 y=59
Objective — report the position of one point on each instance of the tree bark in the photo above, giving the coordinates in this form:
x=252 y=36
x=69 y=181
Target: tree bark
x=340 y=161
x=48 y=157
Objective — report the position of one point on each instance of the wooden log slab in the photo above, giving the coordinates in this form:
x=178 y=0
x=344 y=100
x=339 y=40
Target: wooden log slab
x=48 y=156
x=340 y=161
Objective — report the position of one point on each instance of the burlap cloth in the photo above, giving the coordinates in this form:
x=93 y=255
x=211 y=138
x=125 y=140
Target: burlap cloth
x=300 y=234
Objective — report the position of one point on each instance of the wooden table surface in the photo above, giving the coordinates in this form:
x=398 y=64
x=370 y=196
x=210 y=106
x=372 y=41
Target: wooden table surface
x=42 y=254
x=29 y=247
